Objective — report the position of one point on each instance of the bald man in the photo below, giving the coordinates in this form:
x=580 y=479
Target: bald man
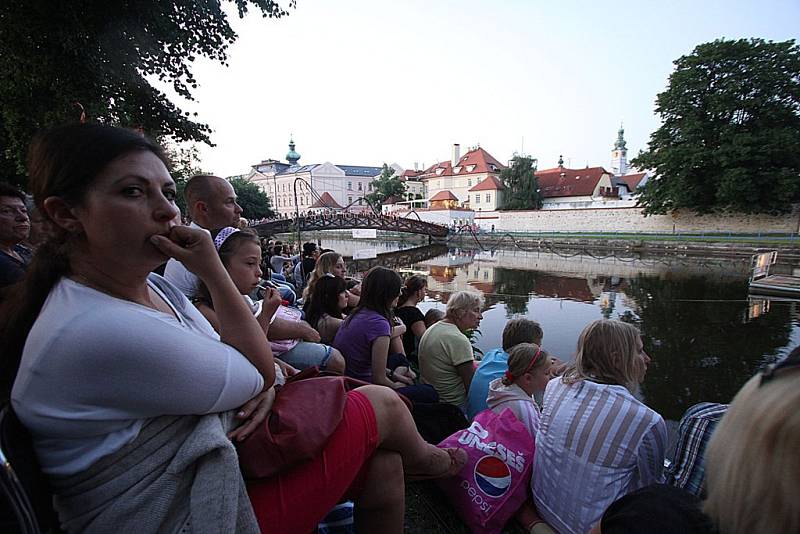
x=211 y=202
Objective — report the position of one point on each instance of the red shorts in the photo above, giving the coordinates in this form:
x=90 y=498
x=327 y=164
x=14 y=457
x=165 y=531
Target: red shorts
x=295 y=501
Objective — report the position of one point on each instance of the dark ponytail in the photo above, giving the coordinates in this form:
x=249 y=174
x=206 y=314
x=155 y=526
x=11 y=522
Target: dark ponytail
x=412 y=285
x=62 y=162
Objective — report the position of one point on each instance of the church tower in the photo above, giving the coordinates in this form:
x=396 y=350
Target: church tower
x=292 y=156
x=619 y=155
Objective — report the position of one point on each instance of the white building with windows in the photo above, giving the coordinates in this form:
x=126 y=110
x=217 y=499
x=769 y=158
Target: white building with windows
x=346 y=184
x=461 y=174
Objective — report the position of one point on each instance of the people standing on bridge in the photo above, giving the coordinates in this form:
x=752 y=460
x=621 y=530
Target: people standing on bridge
x=445 y=354
x=211 y=203
x=411 y=294
x=15 y=226
x=596 y=441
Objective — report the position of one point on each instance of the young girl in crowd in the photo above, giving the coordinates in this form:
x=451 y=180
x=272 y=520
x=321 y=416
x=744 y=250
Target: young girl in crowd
x=412 y=293
x=128 y=392
x=596 y=441
x=293 y=341
x=324 y=308
x=528 y=373
x=364 y=338
x=331 y=263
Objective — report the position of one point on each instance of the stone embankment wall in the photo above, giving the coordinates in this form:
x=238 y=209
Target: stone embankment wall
x=632 y=220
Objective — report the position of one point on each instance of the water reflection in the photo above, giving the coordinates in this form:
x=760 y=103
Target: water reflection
x=705 y=337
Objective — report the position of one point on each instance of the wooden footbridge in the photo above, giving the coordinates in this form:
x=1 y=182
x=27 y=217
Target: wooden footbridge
x=348 y=221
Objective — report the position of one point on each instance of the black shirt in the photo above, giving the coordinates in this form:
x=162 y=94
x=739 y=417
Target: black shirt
x=11 y=269
x=409 y=315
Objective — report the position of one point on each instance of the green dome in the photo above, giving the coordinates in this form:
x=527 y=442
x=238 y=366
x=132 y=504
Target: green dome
x=292 y=156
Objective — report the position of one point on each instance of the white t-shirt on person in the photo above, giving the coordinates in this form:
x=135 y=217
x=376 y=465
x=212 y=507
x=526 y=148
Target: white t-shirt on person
x=95 y=367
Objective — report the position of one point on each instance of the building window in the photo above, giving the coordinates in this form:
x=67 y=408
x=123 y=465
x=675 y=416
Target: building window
x=469 y=182
x=349 y=200
x=360 y=186
x=488 y=198
x=369 y=187
x=478 y=198
x=485 y=275
x=279 y=202
x=349 y=186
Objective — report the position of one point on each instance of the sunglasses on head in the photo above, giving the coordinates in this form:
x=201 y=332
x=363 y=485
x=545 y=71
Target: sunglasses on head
x=792 y=361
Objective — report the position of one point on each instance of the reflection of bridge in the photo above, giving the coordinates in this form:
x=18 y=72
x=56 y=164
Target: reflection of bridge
x=400 y=258
x=350 y=221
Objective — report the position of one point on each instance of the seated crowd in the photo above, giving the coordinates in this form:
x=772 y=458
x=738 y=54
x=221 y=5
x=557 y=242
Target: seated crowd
x=191 y=362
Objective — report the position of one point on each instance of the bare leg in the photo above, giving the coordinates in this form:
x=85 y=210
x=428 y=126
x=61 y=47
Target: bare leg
x=381 y=506
x=397 y=432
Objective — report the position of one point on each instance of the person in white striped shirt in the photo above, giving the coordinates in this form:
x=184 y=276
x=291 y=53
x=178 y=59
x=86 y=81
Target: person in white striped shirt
x=596 y=441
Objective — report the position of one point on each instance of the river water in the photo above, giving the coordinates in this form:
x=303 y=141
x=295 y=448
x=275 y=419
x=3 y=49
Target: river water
x=704 y=335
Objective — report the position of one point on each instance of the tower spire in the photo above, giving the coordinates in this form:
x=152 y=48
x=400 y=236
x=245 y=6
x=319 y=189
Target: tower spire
x=619 y=154
x=292 y=156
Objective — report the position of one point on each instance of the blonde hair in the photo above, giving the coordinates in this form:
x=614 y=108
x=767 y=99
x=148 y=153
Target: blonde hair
x=519 y=358
x=461 y=302
x=608 y=351
x=752 y=462
x=323 y=266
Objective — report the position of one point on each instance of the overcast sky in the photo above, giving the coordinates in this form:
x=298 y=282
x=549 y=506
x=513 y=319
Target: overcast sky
x=363 y=82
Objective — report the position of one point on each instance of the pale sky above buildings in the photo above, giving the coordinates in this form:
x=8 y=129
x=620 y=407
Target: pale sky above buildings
x=363 y=82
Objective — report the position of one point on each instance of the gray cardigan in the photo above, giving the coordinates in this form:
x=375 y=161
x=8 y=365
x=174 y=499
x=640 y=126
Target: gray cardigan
x=181 y=474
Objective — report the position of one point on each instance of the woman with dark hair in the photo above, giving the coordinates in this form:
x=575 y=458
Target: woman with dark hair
x=324 y=308
x=411 y=294
x=365 y=335
x=131 y=397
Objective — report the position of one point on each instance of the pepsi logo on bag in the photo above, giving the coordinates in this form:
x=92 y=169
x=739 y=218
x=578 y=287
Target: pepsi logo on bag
x=494 y=482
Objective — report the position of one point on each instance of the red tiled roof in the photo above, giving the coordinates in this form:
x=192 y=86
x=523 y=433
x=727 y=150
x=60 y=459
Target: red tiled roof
x=326 y=201
x=574 y=183
x=491 y=183
x=632 y=180
x=391 y=200
x=408 y=173
x=478 y=157
x=443 y=195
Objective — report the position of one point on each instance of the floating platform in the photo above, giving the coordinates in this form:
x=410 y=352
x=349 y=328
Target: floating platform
x=777 y=285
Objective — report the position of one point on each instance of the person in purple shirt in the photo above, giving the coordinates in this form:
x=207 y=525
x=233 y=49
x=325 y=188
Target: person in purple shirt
x=363 y=339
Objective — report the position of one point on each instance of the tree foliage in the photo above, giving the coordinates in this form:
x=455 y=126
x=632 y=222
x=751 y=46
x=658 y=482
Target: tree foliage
x=521 y=185
x=385 y=186
x=185 y=164
x=730 y=137
x=101 y=54
x=254 y=202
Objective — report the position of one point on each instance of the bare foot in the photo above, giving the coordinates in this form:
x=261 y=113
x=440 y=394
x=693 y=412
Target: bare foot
x=441 y=463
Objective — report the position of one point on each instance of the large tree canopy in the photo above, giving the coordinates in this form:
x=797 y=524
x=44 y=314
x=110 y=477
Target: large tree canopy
x=384 y=186
x=254 y=202
x=522 y=186
x=100 y=54
x=730 y=138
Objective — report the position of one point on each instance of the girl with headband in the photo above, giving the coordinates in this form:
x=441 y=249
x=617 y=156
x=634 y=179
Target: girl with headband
x=294 y=342
x=528 y=373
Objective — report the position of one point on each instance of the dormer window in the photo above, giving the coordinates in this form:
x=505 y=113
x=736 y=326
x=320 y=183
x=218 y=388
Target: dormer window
x=471 y=168
x=492 y=167
x=439 y=171
x=456 y=170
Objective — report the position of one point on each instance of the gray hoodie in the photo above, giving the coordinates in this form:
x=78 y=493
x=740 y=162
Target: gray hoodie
x=514 y=398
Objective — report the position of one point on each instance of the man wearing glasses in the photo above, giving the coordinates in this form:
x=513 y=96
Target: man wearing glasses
x=14 y=229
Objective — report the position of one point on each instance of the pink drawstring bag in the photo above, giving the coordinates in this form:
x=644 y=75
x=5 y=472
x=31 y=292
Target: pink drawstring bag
x=494 y=482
